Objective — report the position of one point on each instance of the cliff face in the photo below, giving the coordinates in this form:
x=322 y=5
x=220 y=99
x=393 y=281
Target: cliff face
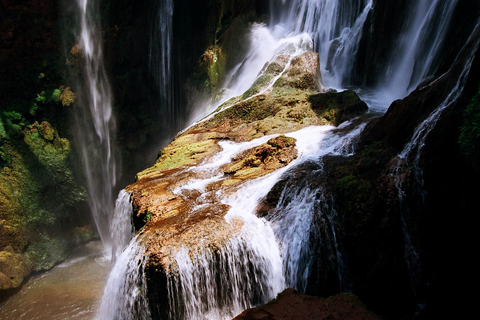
x=402 y=217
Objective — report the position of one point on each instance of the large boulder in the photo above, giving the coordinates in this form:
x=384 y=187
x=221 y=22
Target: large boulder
x=173 y=216
x=292 y=305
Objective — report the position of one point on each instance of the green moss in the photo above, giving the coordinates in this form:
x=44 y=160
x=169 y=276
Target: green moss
x=469 y=139
x=357 y=194
x=335 y=107
x=245 y=112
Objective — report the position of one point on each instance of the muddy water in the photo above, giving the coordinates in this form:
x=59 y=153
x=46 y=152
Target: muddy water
x=71 y=290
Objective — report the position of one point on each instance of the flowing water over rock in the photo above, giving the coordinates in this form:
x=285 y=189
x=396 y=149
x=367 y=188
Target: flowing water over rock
x=335 y=27
x=409 y=160
x=416 y=55
x=262 y=256
x=255 y=257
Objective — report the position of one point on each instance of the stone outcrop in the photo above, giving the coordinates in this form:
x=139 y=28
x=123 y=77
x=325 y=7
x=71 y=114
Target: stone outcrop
x=172 y=216
x=292 y=305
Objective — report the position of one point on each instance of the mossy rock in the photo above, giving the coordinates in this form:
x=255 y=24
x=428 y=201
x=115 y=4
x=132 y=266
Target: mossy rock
x=337 y=107
x=13 y=269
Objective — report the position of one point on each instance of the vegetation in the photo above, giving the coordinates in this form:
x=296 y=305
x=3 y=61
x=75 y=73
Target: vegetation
x=469 y=139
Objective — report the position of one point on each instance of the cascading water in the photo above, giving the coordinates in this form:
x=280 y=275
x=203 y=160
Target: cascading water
x=268 y=254
x=335 y=27
x=94 y=121
x=417 y=50
x=125 y=293
x=121 y=228
x=293 y=230
x=410 y=158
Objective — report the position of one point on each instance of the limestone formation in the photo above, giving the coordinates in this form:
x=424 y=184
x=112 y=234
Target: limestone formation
x=174 y=214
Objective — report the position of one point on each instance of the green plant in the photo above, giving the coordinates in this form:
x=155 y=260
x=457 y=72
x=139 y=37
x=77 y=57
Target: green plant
x=469 y=139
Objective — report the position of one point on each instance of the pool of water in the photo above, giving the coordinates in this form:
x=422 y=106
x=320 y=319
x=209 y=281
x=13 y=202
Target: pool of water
x=71 y=290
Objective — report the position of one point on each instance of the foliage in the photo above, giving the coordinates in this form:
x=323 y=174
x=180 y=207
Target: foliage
x=469 y=139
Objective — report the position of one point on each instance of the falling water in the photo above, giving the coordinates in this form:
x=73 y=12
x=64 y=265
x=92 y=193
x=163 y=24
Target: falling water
x=263 y=259
x=263 y=48
x=121 y=228
x=410 y=158
x=335 y=27
x=268 y=254
x=125 y=293
x=412 y=60
x=293 y=230
x=161 y=63
x=95 y=124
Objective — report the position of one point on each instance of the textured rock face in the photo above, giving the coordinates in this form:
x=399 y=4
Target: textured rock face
x=173 y=215
x=292 y=305
x=435 y=201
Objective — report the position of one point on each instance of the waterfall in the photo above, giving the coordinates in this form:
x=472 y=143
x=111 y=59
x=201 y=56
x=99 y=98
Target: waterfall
x=271 y=253
x=94 y=121
x=125 y=293
x=410 y=158
x=121 y=228
x=300 y=204
x=335 y=27
x=160 y=60
x=418 y=47
x=263 y=48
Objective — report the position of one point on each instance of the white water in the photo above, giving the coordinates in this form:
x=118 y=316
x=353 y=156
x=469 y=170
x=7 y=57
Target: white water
x=410 y=158
x=124 y=296
x=121 y=228
x=264 y=47
x=299 y=203
x=267 y=255
x=161 y=63
x=412 y=59
x=95 y=124
x=262 y=259
x=335 y=27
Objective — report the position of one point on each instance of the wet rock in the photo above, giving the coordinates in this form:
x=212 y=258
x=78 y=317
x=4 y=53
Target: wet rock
x=13 y=269
x=178 y=205
x=292 y=305
x=337 y=107
x=256 y=162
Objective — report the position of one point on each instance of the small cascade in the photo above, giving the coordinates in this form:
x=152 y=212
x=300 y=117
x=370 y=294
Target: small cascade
x=94 y=121
x=264 y=48
x=221 y=284
x=418 y=47
x=302 y=205
x=121 y=228
x=125 y=293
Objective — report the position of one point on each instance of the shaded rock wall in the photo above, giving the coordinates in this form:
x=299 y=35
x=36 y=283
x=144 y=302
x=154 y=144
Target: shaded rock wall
x=437 y=209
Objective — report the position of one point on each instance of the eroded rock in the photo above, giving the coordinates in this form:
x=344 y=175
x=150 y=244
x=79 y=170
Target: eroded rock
x=178 y=201
x=292 y=305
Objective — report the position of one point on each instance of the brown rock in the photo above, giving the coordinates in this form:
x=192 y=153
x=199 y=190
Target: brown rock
x=292 y=305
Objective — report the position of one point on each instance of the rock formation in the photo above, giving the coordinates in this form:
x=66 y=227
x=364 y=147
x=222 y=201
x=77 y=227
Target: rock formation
x=284 y=98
